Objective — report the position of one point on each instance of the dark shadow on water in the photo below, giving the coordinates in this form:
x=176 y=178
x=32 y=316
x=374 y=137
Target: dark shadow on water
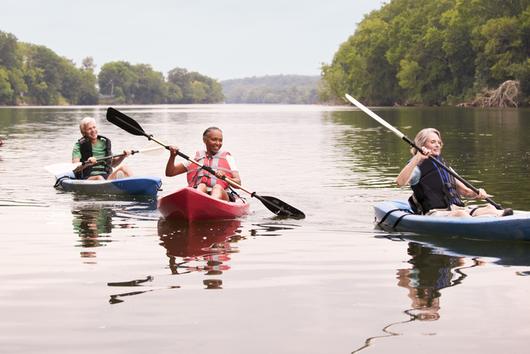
x=270 y=229
x=117 y=298
x=506 y=253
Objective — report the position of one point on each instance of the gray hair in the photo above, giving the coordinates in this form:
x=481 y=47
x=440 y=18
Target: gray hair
x=84 y=122
x=422 y=136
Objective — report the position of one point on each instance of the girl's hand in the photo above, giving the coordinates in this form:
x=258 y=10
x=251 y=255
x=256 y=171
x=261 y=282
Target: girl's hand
x=173 y=150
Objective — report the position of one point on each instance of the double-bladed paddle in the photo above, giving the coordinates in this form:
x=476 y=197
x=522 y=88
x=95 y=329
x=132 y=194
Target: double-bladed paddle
x=411 y=143
x=65 y=167
x=275 y=205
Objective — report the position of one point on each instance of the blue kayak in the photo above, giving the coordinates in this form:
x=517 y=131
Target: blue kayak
x=397 y=216
x=130 y=186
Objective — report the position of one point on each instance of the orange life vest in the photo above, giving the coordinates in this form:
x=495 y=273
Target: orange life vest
x=198 y=175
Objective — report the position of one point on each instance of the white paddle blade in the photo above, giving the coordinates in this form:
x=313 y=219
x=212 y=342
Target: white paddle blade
x=61 y=168
x=366 y=110
x=155 y=150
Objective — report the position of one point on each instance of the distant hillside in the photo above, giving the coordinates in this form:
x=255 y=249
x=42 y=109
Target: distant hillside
x=285 y=89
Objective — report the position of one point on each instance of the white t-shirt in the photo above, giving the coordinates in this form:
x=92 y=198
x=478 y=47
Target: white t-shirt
x=415 y=176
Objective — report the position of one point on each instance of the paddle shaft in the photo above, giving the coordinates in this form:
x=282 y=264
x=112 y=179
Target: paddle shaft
x=206 y=168
x=120 y=155
x=275 y=205
x=411 y=143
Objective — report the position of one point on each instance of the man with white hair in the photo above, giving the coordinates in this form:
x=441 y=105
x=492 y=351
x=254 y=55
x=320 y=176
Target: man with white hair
x=92 y=147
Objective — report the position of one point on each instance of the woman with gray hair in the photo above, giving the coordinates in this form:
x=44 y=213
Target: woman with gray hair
x=91 y=147
x=435 y=191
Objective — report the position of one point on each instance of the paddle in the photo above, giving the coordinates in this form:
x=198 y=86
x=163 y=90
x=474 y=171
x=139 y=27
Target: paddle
x=62 y=168
x=411 y=143
x=275 y=205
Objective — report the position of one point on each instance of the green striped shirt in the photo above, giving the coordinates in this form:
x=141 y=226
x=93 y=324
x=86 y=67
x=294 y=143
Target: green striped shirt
x=98 y=151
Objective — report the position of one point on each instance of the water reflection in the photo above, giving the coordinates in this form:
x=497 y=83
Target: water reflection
x=430 y=272
x=507 y=253
x=200 y=247
x=93 y=225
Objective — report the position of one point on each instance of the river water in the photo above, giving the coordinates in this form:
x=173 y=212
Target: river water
x=84 y=275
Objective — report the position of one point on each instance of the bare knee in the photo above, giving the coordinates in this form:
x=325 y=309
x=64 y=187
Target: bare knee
x=219 y=192
x=460 y=213
x=202 y=188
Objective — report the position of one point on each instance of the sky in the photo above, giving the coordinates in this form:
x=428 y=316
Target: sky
x=222 y=39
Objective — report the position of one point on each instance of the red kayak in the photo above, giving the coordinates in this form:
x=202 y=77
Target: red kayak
x=189 y=204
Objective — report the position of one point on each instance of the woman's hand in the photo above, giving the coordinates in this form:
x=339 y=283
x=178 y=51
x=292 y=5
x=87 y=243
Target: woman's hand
x=173 y=150
x=482 y=194
x=424 y=154
x=219 y=174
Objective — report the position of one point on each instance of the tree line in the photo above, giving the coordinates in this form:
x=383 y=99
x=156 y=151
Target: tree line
x=433 y=52
x=278 y=89
x=35 y=75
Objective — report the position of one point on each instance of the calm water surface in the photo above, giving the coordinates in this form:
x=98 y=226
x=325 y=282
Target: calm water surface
x=85 y=275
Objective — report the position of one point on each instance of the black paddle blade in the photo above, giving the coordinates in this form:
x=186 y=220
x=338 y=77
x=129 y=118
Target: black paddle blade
x=279 y=207
x=124 y=121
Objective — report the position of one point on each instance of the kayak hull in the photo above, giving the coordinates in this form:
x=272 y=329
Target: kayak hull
x=189 y=204
x=397 y=216
x=130 y=186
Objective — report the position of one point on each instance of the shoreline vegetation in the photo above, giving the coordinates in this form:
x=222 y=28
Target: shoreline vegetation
x=433 y=53
x=407 y=53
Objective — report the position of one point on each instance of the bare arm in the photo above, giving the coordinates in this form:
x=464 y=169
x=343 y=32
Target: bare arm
x=469 y=193
x=235 y=177
x=118 y=159
x=406 y=173
x=173 y=169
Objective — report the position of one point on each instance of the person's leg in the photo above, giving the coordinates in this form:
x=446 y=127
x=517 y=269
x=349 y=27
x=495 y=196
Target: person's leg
x=459 y=213
x=122 y=171
x=490 y=210
x=202 y=188
x=219 y=192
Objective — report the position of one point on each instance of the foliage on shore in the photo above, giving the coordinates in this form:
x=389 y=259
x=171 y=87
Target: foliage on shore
x=35 y=75
x=433 y=52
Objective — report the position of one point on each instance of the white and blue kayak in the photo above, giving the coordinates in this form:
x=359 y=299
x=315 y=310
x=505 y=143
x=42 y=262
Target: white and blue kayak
x=397 y=216
x=130 y=186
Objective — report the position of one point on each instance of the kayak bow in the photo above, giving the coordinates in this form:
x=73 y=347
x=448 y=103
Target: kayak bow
x=189 y=204
x=133 y=186
x=397 y=216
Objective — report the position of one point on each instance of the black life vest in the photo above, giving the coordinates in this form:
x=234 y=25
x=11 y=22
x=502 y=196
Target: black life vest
x=435 y=190
x=85 y=147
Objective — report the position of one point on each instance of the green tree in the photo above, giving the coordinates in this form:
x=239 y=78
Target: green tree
x=6 y=91
x=118 y=79
x=431 y=51
x=150 y=87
